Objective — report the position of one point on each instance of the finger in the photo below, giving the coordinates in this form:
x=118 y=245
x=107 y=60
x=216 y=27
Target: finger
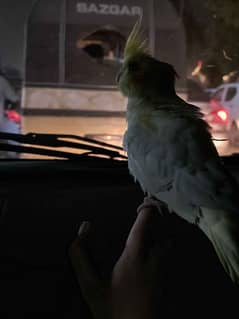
x=86 y=273
x=136 y=239
x=143 y=206
x=150 y=201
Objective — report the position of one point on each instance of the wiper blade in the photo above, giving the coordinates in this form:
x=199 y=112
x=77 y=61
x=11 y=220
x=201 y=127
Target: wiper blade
x=57 y=140
x=39 y=151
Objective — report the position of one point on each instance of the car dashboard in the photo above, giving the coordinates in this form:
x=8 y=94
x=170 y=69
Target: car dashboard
x=42 y=204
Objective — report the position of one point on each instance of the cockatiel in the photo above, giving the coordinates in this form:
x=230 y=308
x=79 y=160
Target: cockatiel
x=172 y=155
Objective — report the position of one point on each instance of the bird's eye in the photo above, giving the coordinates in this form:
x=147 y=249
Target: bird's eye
x=133 y=66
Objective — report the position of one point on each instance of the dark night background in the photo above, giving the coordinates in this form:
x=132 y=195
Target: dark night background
x=13 y=14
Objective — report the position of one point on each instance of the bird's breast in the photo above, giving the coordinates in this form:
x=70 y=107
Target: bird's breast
x=146 y=146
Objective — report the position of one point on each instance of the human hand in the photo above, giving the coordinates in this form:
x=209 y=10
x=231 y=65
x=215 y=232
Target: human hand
x=134 y=288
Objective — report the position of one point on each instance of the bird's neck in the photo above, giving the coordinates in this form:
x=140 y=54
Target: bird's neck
x=138 y=108
x=147 y=104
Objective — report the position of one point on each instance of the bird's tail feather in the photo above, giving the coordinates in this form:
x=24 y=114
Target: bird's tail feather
x=223 y=231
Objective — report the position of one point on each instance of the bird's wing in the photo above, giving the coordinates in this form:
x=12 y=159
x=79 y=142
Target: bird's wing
x=204 y=177
x=205 y=182
x=180 y=151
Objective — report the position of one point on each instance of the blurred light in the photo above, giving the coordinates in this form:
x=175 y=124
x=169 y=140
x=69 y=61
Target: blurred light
x=218 y=116
x=226 y=56
x=228 y=77
x=223 y=115
x=198 y=67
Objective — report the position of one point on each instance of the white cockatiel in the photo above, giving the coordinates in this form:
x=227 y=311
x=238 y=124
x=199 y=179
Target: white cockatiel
x=171 y=153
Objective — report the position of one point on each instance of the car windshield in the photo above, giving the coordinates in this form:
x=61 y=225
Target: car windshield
x=59 y=60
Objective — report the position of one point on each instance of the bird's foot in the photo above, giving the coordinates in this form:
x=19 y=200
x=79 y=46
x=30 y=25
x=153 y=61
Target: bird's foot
x=152 y=202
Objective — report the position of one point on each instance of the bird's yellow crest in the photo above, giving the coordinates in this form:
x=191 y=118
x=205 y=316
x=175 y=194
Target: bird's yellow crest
x=135 y=43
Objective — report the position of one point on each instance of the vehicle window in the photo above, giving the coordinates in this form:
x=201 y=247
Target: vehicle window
x=218 y=94
x=231 y=93
x=61 y=58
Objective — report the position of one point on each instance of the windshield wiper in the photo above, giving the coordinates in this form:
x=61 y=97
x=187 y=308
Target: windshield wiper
x=55 y=141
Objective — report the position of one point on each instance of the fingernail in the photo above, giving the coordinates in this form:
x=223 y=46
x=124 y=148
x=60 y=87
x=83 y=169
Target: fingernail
x=84 y=227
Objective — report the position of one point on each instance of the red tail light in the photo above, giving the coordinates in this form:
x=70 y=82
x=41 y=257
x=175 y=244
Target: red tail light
x=13 y=116
x=219 y=115
x=222 y=114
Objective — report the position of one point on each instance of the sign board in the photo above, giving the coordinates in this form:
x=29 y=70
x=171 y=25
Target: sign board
x=108 y=9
